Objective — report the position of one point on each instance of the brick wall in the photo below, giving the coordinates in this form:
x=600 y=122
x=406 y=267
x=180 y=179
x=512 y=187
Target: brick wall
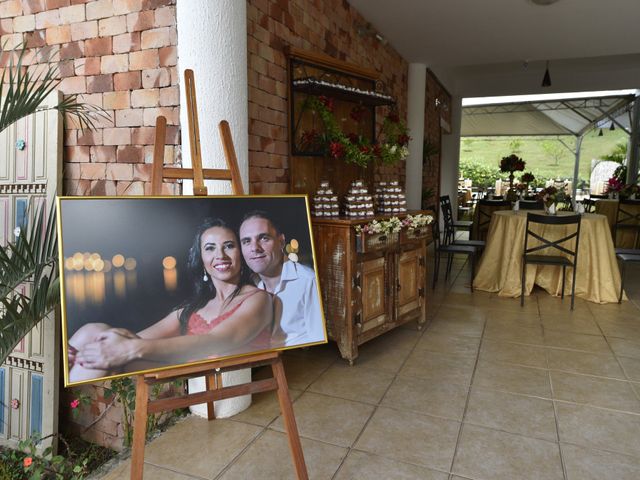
x=328 y=26
x=433 y=134
x=119 y=55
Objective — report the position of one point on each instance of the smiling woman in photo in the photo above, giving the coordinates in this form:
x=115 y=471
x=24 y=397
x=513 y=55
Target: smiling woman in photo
x=225 y=315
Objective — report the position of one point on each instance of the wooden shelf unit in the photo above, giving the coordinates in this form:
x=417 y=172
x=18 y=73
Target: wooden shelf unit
x=370 y=283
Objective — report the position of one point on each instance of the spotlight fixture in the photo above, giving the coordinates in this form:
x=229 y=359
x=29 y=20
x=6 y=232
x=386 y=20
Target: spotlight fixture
x=600 y=134
x=546 y=80
x=612 y=127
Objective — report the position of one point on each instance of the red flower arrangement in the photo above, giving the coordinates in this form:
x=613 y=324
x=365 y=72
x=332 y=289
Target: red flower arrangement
x=512 y=163
x=614 y=185
x=391 y=144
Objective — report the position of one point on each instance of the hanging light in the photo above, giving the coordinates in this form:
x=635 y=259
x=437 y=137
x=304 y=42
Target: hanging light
x=612 y=127
x=546 y=80
x=600 y=134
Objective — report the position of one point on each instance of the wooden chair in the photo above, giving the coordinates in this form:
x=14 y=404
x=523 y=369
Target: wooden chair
x=561 y=259
x=531 y=205
x=628 y=220
x=589 y=205
x=482 y=218
x=442 y=247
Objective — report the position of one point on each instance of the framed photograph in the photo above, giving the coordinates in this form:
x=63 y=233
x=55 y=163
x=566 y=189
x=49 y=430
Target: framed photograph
x=150 y=283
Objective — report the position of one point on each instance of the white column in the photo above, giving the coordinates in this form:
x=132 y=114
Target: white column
x=450 y=158
x=417 y=84
x=212 y=41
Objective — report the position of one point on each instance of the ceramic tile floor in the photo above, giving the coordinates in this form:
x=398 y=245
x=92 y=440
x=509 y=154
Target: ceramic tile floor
x=488 y=391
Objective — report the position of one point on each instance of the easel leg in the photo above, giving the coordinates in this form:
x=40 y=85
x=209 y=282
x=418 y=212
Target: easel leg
x=210 y=382
x=289 y=419
x=139 y=428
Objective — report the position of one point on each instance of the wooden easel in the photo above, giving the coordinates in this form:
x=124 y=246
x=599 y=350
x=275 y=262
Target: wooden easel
x=212 y=371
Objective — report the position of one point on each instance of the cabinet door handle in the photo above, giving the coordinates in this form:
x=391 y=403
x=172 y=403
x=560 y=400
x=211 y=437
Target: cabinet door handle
x=398 y=287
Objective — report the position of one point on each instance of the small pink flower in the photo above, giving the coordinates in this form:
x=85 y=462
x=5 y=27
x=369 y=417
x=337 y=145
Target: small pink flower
x=27 y=462
x=75 y=403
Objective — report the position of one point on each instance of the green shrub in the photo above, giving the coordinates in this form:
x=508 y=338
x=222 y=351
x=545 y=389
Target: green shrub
x=481 y=175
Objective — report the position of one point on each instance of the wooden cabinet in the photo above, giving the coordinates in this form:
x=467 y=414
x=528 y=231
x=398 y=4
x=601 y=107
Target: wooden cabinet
x=370 y=283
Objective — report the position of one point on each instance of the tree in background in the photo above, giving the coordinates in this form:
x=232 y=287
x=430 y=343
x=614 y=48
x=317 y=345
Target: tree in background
x=515 y=145
x=618 y=154
x=554 y=149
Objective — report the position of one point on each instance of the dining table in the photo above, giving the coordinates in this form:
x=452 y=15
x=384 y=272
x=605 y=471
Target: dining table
x=624 y=238
x=500 y=267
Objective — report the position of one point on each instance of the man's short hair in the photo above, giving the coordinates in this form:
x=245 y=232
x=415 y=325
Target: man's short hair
x=261 y=214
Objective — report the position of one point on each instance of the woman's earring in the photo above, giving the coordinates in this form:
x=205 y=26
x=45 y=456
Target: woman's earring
x=205 y=278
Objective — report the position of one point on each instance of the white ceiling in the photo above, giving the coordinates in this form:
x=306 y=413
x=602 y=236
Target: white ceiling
x=484 y=47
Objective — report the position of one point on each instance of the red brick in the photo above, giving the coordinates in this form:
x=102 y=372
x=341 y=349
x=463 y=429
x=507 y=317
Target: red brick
x=121 y=7
x=127 y=81
x=171 y=114
x=117 y=100
x=70 y=137
x=159 y=77
x=71 y=170
x=99 y=9
x=66 y=69
x=78 y=188
x=127 y=42
x=83 y=30
x=53 y=4
x=87 y=66
x=142 y=172
x=109 y=27
x=130 y=188
x=35 y=39
x=95 y=47
x=165 y=17
x=115 y=63
x=145 y=98
x=130 y=154
x=33 y=6
x=144 y=59
x=76 y=154
x=73 y=85
x=6 y=26
x=72 y=50
x=140 y=21
x=24 y=23
x=170 y=96
x=47 y=19
x=143 y=136
x=100 y=83
x=93 y=171
x=120 y=171
x=159 y=37
x=57 y=35
x=117 y=136
x=90 y=137
x=72 y=14
x=102 y=154
x=129 y=117
x=168 y=56
x=153 y=4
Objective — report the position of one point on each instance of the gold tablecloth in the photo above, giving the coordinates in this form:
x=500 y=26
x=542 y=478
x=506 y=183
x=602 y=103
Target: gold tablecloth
x=500 y=268
x=609 y=208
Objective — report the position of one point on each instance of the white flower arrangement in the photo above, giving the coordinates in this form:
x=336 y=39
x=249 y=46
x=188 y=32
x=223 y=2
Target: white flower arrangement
x=394 y=224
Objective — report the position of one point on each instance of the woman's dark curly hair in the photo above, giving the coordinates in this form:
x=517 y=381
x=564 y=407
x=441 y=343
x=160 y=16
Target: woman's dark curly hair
x=205 y=291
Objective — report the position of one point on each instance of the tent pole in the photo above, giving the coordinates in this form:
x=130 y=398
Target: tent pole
x=634 y=139
x=576 y=167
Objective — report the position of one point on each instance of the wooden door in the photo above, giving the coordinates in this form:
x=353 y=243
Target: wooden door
x=410 y=281
x=375 y=301
x=30 y=177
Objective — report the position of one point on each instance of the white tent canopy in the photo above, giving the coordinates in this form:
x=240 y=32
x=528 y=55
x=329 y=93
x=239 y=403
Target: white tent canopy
x=571 y=115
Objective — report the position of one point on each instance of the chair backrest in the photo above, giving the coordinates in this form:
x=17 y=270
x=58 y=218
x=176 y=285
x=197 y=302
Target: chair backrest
x=556 y=246
x=628 y=219
x=435 y=233
x=482 y=218
x=447 y=218
x=531 y=205
x=593 y=195
x=588 y=204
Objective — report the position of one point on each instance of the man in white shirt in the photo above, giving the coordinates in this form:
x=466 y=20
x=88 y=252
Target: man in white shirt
x=294 y=284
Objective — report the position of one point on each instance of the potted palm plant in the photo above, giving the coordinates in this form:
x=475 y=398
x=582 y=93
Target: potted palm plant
x=32 y=256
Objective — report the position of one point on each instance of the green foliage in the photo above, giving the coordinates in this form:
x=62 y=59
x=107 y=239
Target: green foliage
x=28 y=463
x=22 y=92
x=515 y=145
x=481 y=175
x=32 y=258
x=124 y=392
x=618 y=153
x=555 y=150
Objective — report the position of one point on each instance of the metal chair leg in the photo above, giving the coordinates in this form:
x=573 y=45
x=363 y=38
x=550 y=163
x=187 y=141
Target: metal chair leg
x=473 y=263
x=564 y=275
x=523 y=281
x=622 y=272
x=449 y=265
x=573 y=287
x=436 y=267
